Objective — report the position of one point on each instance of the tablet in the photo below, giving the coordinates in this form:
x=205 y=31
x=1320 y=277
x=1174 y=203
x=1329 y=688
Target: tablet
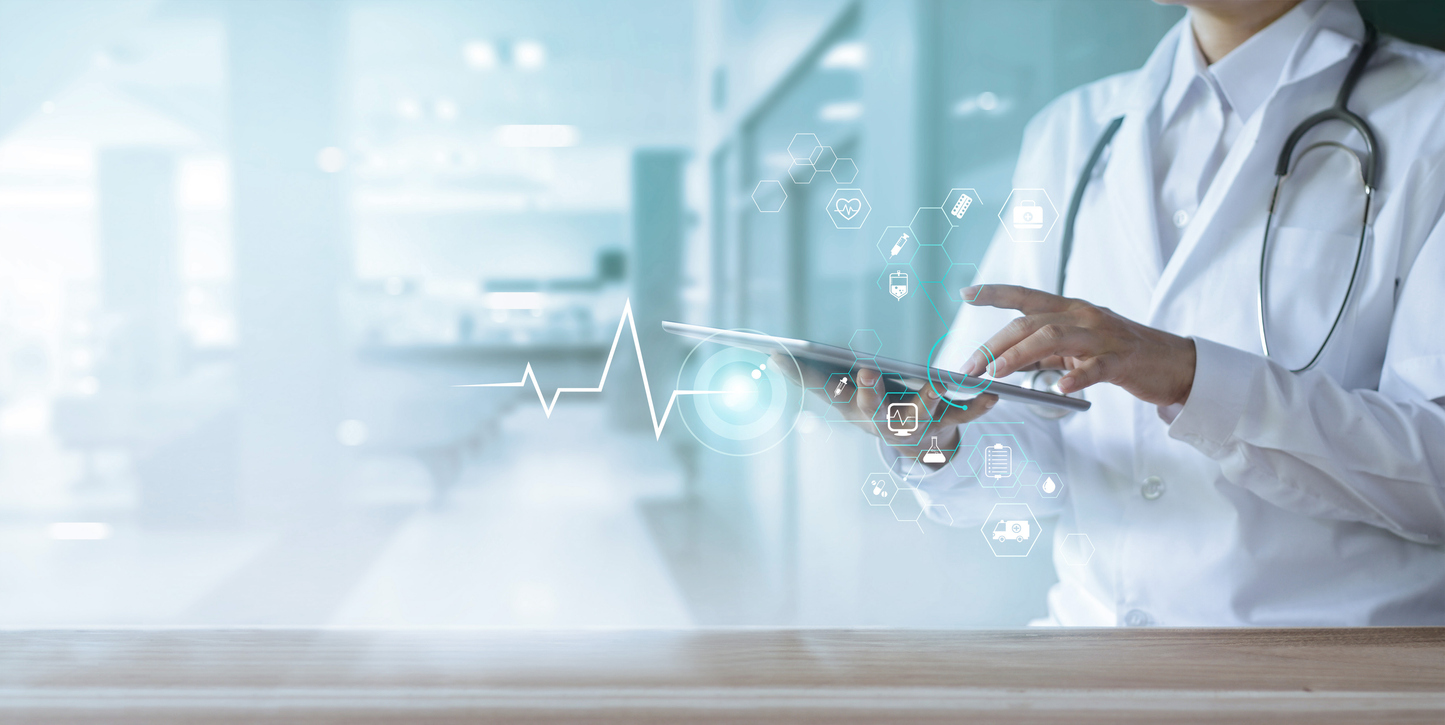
x=954 y=385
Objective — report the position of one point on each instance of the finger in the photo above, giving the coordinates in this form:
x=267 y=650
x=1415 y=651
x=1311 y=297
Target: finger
x=1086 y=373
x=869 y=393
x=955 y=414
x=1013 y=297
x=926 y=392
x=1012 y=334
x=1052 y=362
x=947 y=419
x=1048 y=341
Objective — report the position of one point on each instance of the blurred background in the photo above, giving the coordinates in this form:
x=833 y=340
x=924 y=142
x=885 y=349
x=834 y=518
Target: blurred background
x=247 y=248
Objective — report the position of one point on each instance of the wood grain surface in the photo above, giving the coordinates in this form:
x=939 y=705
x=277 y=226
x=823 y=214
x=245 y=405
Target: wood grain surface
x=722 y=675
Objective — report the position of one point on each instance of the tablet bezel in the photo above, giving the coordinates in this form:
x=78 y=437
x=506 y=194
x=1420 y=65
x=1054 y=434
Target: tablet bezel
x=836 y=357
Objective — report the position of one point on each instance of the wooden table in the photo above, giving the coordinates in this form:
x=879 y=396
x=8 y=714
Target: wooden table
x=722 y=675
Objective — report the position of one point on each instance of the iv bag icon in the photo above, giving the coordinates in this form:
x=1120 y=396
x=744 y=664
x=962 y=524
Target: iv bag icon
x=934 y=455
x=898 y=285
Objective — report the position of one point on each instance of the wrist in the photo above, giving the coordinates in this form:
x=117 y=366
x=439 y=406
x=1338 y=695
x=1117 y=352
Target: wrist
x=1185 y=379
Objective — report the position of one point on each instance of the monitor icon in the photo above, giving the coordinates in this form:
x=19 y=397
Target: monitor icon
x=902 y=418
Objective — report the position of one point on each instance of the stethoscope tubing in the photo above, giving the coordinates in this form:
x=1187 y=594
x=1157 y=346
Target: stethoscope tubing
x=1369 y=174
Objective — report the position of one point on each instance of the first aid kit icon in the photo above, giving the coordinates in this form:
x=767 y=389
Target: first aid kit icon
x=1028 y=215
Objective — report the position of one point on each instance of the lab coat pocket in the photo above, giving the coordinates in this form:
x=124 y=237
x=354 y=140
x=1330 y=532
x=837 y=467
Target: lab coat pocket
x=1308 y=273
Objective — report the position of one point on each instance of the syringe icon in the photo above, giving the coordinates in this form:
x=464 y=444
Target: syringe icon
x=841 y=384
x=898 y=246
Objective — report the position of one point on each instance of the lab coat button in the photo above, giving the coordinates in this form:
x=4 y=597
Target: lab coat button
x=1136 y=618
x=1153 y=488
x=1181 y=218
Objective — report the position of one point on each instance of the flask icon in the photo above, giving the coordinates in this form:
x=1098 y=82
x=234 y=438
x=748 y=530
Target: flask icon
x=898 y=285
x=934 y=455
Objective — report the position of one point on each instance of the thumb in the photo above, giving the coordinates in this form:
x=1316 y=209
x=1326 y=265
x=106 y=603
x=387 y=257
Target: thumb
x=958 y=414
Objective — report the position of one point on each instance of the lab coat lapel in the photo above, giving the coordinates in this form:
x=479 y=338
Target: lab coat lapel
x=1241 y=187
x=1129 y=179
x=1129 y=173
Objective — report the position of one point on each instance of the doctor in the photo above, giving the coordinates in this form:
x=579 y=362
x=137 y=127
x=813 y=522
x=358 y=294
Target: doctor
x=1221 y=485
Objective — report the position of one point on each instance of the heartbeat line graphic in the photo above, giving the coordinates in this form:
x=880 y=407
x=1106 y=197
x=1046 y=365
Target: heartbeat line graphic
x=628 y=321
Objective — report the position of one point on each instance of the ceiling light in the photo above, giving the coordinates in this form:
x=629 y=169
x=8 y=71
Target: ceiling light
x=529 y=54
x=79 y=530
x=445 y=109
x=841 y=111
x=852 y=55
x=480 y=55
x=537 y=136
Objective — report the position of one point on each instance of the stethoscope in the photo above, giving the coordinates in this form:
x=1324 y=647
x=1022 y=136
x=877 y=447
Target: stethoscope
x=1368 y=168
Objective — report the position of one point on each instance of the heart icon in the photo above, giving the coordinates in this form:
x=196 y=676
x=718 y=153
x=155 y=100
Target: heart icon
x=848 y=208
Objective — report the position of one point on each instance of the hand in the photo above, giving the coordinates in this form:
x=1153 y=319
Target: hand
x=1094 y=344
x=946 y=417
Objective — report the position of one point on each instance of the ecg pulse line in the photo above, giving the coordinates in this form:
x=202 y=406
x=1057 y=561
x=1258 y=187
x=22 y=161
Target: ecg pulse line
x=642 y=366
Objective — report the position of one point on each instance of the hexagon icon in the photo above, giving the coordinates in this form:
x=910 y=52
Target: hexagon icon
x=1030 y=474
x=769 y=196
x=1028 y=215
x=844 y=171
x=997 y=460
x=1011 y=530
x=906 y=506
x=865 y=343
x=931 y=263
x=897 y=245
x=880 y=489
x=848 y=414
x=840 y=388
x=901 y=283
x=900 y=417
x=1050 y=485
x=803 y=146
x=802 y=172
x=959 y=462
x=930 y=225
x=848 y=208
x=957 y=279
x=823 y=158
x=1074 y=550
x=935 y=453
x=959 y=203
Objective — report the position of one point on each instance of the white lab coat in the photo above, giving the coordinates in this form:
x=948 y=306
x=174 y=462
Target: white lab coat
x=1288 y=499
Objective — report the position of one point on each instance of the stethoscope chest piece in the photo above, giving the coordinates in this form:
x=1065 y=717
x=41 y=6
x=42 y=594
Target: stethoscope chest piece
x=1047 y=381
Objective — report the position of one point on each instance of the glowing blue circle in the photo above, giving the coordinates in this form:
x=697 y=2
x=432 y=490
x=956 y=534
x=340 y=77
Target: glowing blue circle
x=720 y=415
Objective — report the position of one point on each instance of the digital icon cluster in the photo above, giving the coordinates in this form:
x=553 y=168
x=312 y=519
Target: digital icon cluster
x=906 y=504
x=917 y=267
x=809 y=159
